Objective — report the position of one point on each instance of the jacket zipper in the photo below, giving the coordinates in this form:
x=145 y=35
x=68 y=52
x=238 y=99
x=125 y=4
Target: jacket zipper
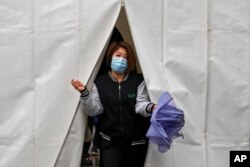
x=120 y=107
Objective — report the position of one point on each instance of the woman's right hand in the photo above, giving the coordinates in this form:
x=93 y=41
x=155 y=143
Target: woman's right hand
x=77 y=85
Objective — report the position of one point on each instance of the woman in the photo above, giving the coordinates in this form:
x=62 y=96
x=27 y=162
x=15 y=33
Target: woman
x=121 y=100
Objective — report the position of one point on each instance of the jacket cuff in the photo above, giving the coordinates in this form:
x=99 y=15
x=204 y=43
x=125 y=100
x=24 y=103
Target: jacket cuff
x=149 y=108
x=84 y=92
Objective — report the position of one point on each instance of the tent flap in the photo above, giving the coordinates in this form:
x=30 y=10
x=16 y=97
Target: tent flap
x=198 y=51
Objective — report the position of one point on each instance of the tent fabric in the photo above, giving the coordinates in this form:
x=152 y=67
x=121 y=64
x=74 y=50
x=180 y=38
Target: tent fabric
x=173 y=35
x=201 y=49
x=198 y=51
x=44 y=44
x=91 y=53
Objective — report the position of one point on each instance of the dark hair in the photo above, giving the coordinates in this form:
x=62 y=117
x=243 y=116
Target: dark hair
x=114 y=46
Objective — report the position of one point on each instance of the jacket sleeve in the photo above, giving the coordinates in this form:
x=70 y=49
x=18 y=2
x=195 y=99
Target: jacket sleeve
x=90 y=102
x=143 y=105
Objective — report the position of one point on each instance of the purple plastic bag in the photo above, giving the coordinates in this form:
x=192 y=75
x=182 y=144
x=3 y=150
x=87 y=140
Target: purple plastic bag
x=166 y=123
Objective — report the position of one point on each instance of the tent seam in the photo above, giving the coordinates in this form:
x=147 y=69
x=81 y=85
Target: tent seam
x=207 y=78
x=162 y=64
x=34 y=97
x=163 y=48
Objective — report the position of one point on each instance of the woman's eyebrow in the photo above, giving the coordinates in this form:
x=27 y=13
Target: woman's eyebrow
x=120 y=53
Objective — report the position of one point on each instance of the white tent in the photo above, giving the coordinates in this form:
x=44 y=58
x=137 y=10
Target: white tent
x=197 y=50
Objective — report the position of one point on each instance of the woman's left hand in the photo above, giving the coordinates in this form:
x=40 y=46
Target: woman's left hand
x=154 y=107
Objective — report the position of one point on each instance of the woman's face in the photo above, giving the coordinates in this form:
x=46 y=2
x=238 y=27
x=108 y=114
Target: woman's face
x=120 y=52
x=119 y=62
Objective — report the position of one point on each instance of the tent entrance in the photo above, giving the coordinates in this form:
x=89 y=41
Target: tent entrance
x=72 y=148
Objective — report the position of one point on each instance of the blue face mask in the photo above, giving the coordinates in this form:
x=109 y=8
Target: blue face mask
x=119 y=64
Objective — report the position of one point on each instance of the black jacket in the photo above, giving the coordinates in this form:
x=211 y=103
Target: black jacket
x=119 y=119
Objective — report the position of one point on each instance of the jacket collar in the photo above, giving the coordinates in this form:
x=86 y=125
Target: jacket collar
x=113 y=78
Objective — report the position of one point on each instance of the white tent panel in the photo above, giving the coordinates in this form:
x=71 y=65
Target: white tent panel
x=228 y=87
x=96 y=22
x=146 y=29
x=185 y=62
x=56 y=59
x=93 y=32
x=57 y=15
x=16 y=16
x=170 y=39
x=54 y=107
x=16 y=98
x=16 y=82
x=71 y=150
